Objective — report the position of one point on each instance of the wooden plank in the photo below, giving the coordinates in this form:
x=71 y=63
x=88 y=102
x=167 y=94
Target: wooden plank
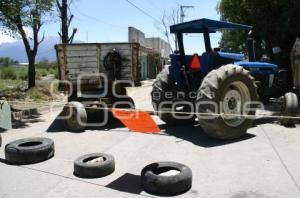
x=75 y=77
x=82 y=59
x=117 y=46
x=82 y=65
x=83 y=70
x=72 y=53
x=74 y=47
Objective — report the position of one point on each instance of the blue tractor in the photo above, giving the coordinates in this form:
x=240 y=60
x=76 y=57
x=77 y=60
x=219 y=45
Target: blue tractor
x=221 y=89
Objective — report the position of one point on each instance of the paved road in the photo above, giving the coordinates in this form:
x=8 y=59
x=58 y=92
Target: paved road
x=265 y=163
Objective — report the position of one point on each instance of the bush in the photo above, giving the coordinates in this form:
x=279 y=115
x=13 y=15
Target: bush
x=8 y=73
x=22 y=73
x=41 y=72
x=46 y=64
x=54 y=72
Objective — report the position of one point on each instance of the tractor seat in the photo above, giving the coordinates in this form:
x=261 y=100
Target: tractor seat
x=208 y=61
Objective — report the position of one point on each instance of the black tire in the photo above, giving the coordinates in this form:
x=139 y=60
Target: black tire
x=154 y=183
x=72 y=96
x=96 y=170
x=0 y=140
x=213 y=89
x=29 y=151
x=124 y=103
x=289 y=108
x=75 y=116
x=164 y=83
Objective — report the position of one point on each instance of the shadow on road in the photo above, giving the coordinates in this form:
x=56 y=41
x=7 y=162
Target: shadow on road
x=94 y=119
x=196 y=135
x=189 y=133
x=128 y=183
x=3 y=161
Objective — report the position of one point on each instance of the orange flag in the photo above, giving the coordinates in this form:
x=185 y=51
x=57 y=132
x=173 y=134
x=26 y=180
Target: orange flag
x=137 y=121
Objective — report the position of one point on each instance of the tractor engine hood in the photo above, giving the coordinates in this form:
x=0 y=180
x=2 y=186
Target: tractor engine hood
x=233 y=56
x=257 y=68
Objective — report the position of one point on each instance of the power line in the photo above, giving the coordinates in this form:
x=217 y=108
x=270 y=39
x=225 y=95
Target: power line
x=153 y=5
x=98 y=20
x=141 y=10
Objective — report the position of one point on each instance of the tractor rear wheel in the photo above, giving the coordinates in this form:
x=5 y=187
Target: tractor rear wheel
x=163 y=94
x=224 y=92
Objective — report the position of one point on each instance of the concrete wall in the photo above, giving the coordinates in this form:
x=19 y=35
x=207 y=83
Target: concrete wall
x=155 y=43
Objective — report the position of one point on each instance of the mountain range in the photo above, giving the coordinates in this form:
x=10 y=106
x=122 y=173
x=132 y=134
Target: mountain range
x=16 y=50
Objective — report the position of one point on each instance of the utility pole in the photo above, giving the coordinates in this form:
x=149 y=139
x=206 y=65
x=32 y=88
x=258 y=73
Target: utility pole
x=182 y=10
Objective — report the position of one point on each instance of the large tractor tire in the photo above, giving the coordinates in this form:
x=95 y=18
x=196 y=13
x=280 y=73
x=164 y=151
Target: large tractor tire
x=224 y=92
x=163 y=87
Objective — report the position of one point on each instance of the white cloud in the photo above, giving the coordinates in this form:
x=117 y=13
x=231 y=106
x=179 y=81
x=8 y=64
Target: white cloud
x=5 y=38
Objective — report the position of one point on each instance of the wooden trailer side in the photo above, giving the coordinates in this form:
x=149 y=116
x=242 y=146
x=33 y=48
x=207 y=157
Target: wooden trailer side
x=78 y=59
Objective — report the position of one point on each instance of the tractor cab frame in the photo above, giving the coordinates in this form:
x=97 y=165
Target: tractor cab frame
x=211 y=59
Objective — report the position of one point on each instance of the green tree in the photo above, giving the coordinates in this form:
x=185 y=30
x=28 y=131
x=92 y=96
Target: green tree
x=6 y=61
x=275 y=22
x=15 y=16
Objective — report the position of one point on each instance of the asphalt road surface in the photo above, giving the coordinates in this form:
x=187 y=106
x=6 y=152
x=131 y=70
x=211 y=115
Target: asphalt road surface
x=265 y=163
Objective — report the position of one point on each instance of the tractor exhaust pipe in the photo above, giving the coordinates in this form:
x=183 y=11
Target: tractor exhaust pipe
x=251 y=48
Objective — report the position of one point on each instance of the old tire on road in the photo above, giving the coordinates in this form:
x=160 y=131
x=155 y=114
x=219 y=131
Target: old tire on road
x=225 y=91
x=290 y=107
x=162 y=86
x=29 y=151
x=166 y=178
x=94 y=165
x=75 y=116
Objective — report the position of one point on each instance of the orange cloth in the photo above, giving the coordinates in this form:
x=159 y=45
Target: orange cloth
x=137 y=121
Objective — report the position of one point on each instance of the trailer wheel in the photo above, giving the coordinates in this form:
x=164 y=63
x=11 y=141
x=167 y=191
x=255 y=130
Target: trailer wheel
x=75 y=116
x=166 y=178
x=29 y=150
x=289 y=107
x=163 y=104
x=226 y=91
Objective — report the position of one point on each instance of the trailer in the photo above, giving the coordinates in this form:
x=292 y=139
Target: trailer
x=94 y=75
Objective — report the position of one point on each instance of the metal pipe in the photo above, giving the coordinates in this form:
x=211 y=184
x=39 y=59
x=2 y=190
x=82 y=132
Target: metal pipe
x=251 y=48
x=207 y=40
x=181 y=49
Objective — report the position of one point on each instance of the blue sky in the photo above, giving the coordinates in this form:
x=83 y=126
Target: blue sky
x=108 y=20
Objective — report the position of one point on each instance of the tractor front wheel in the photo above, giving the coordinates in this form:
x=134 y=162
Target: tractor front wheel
x=225 y=101
x=163 y=94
